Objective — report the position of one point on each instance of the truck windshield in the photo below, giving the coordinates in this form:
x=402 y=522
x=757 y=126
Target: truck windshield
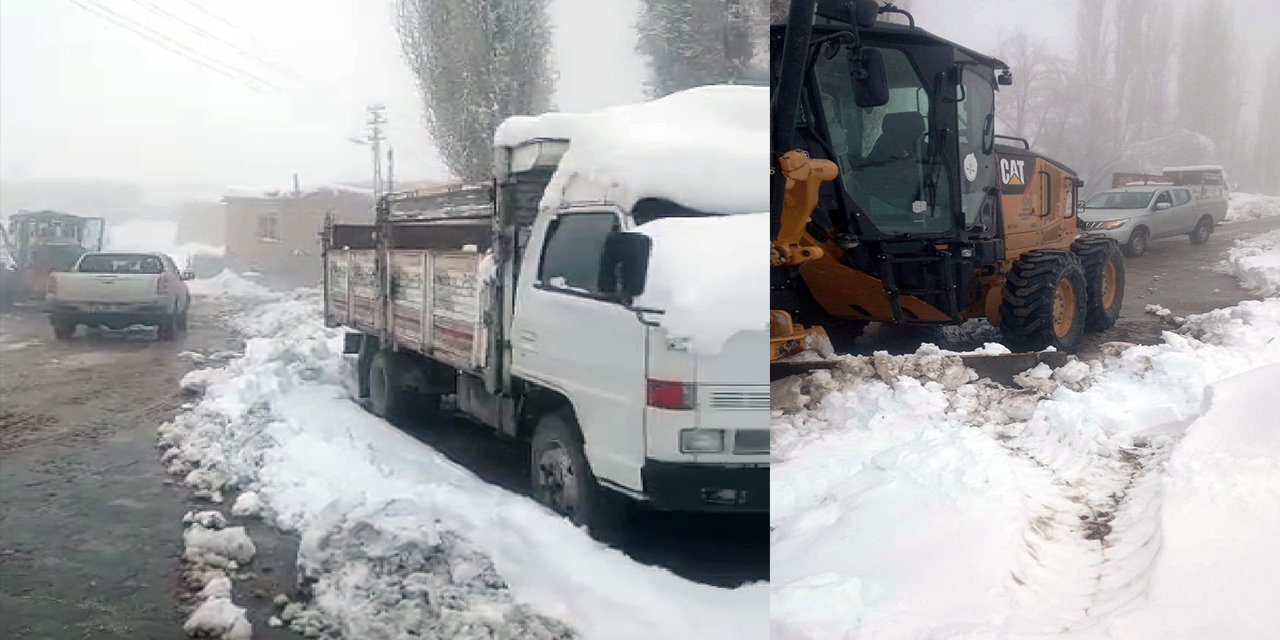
x=1120 y=200
x=883 y=153
x=120 y=263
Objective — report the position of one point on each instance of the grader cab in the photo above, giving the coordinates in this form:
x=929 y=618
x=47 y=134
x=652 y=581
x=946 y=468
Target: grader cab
x=895 y=201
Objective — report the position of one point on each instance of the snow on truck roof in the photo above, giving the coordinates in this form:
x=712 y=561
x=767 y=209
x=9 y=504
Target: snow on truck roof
x=703 y=148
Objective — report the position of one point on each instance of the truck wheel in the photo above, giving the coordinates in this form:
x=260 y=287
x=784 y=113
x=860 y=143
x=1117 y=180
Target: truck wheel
x=1044 y=303
x=1204 y=228
x=167 y=331
x=63 y=328
x=387 y=397
x=562 y=478
x=180 y=321
x=1103 y=266
x=1137 y=244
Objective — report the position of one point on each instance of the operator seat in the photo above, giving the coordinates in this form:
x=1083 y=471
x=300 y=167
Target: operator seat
x=899 y=133
x=890 y=170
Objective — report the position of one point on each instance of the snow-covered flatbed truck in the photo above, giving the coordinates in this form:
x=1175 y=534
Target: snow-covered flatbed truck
x=543 y=318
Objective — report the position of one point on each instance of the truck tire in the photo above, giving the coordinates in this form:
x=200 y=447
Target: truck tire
x=63 y=328
x=1138 y=242
x=180 y=321
x=1203 y=230
x=1045 y=301
x=562 y=480
x=1103 y=265
x=387 y=396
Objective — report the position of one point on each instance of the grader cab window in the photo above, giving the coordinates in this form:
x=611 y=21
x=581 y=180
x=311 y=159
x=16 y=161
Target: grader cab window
x=886 y=165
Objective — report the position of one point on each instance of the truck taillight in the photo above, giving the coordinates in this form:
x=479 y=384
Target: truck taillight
x=665 y=394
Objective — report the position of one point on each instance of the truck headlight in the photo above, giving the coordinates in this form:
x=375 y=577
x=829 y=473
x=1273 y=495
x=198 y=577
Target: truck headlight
x=701 y=440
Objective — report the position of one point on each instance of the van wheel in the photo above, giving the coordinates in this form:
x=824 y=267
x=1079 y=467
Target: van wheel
x=1137 y=244
x=63 y=328
x=1204 y=228
x=1044 y=303
x=563 y=482
x=1104 y=278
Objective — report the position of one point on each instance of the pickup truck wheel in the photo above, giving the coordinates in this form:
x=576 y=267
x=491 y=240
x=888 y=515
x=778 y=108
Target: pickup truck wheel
x=63 y=328
x=167 y=329
x=1137 y=244
x=1204 y=228
x=562 y=478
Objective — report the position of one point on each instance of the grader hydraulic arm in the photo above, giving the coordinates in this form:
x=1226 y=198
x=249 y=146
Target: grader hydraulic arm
x=803 y=178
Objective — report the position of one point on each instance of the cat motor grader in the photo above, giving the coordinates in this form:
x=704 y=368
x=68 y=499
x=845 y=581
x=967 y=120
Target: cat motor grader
x=895 y=201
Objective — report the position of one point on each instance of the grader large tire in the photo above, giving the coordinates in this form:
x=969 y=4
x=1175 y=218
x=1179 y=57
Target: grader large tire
x=1103 y=264
x=1044 y=303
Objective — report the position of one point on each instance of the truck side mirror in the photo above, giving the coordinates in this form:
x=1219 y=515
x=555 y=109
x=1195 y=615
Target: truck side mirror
x=188 y=275
x=870 y=84
x=625 y=263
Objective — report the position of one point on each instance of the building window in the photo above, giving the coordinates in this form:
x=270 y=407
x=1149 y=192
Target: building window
x=267 y=228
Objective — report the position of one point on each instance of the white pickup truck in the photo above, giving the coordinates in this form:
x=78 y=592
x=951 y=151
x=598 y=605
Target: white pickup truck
x=601 y=300
x=119 y=290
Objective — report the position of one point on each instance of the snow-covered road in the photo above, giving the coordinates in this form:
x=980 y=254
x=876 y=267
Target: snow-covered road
x=396 y=537
x=1132 y=496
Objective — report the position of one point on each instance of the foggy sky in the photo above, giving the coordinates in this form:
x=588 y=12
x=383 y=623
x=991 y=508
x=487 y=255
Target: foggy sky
x=81 y=98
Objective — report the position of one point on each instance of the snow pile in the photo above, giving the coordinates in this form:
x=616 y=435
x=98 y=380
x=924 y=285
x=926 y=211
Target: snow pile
x=155 y=235
x=1248 y=206
x=703 y=148
x=696 y=273
x=229 y=284
x=210 y=550
x=385 y=519
x=1255 y=262
x=910 y=500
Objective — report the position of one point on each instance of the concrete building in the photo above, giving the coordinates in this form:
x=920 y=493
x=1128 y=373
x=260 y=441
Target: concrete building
x=277 y=233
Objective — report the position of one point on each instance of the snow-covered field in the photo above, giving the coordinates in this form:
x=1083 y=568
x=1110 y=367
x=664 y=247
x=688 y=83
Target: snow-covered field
x=1249 y=206
x=396 y=538
x=1134 y=497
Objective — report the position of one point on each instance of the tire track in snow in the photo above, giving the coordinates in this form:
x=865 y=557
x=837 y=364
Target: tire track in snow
x=1094 y=532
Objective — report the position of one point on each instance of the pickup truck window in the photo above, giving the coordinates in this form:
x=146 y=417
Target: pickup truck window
x=571 y=255
x=120 y=263
x=1181 y=197
x=1164 y=197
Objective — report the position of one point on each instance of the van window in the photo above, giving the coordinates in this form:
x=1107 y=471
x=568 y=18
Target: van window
x=1181 y=197
x=572 y=254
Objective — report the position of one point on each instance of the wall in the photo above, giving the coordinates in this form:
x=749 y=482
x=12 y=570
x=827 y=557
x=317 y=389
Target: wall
x=292 y=257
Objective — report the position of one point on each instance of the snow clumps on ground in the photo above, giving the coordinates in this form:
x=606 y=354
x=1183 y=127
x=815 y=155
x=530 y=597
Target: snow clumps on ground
x=211 y=549
x=1255 y=261
x=1248 y=206
x=397 y=540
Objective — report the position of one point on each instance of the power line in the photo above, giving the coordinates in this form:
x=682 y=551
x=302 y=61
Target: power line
x=173 y=46
x=197 y=29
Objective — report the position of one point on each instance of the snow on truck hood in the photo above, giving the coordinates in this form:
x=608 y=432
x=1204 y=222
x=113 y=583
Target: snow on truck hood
x=704 y=148
x=704 y=272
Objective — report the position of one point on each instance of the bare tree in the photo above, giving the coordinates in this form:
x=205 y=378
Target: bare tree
x=1207 y=100
x=476 y=62
x=1266 y=143
x=691 y=43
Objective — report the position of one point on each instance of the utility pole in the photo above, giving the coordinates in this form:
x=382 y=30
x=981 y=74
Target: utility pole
x=391 y=169
x=376 y=119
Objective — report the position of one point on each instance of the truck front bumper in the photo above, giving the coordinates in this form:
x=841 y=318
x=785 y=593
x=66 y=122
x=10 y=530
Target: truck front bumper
x=678 y=486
